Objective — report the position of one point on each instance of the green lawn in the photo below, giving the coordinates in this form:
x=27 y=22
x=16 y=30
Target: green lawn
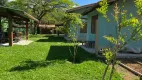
x=47 y=58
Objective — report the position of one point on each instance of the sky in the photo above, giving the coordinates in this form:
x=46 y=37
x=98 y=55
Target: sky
x=81 y=2
x=10 y=0
x=85 y=2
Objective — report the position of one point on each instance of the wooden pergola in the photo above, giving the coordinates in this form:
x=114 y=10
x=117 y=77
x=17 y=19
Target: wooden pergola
x=11 y=15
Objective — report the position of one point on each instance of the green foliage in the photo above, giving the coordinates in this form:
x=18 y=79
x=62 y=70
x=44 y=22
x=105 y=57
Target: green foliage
x=71 y=21
x=111 y=39
x=108 y=54
x=114 y=41
x=42 y=9
x=138 y=4
x=61 y=29
x=104 y=8
x=73 y=18
x=3 y=2
x=19 y=4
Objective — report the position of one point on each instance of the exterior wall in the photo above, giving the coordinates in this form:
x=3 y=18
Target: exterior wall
x=87 y=36
x=109 y=28
x=90 y=36
x=81 y=36
x=106 y=28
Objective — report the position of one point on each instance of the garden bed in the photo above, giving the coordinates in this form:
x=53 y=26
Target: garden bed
x=135 y=65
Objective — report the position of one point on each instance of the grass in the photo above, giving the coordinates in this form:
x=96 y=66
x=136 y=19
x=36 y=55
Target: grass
x=47 y=58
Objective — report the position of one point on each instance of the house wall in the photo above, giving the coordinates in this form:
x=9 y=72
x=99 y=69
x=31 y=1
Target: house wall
x=106 y=28
x=81 y=36
x=90 y=36
x=87 y=36
x=109 y=28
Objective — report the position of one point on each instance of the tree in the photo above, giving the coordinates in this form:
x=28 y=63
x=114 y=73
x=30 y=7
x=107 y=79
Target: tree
x=123 y=20
x=42 y=9
x=39 y=8
x=71 y=21
x=3 y=2
x=19 y=4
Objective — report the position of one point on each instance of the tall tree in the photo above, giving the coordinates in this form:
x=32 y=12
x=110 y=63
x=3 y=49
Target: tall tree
x=40 y=8
x=3 y=2
x=43 y=9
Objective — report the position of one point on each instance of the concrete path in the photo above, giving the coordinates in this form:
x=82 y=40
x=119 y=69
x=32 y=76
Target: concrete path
x=22 y=42
x=90 y=50
x=120 y=55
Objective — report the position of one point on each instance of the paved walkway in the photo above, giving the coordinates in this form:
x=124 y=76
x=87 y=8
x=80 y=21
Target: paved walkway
x=22 y=42
x=90 y=50
x=120 y=55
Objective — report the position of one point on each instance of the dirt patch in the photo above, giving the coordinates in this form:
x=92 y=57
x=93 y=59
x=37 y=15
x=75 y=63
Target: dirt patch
x=135 y=64
x=127 y=75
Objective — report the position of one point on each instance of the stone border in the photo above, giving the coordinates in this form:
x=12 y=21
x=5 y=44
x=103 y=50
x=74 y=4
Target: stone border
x=130 y=69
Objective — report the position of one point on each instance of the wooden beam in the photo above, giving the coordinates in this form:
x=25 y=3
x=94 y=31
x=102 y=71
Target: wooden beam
x=31 y=17
x=27 y=30
x=20 y=18
x=10 y=30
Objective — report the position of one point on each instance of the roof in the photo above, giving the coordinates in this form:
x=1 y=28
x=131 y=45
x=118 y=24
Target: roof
x=16 y=14
x=81 y=7
x=90 y=7
x=96 y=6
x=46 y=26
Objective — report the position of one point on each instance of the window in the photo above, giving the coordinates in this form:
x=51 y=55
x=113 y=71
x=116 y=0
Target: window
x=84 y=29
x=94 y=24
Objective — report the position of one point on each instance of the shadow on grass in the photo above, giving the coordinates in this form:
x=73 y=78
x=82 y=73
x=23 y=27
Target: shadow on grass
x=63 y=53
x=28 y=65
x=57 y=55
x=52 y=39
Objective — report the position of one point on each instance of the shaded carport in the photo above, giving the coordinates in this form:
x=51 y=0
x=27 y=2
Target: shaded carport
x=15 y=15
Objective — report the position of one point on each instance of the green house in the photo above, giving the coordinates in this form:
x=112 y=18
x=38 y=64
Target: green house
x=97 y=26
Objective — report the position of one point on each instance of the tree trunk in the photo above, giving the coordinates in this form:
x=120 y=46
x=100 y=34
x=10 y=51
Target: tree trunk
x=0 y=24
x=104 y=75
x=74 y=54
x=35 y=28
x=112 y=70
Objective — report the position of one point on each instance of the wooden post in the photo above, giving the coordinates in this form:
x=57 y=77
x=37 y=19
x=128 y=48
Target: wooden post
x=37 y=28
x=58 y=32
x=27 y=30
x=0 y=24
x=10 y=30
